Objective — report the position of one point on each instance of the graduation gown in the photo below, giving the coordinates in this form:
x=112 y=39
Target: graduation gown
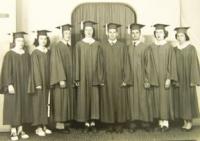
x=15 y=71
x=116 y=70
x=39 y=77
x=185 y=96
x=61 y=70
x=86 y=75
x=165 y=62
x=140 y=99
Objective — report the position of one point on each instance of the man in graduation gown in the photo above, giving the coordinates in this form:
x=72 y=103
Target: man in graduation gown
x=13 y=83
x=140 y=99
x=165 y=61
x=61 y=79
x=185 y=95
x=116 y=74
x=87 y=50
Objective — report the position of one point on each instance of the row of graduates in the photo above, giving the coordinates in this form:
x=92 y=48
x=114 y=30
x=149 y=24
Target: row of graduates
x=112 y=82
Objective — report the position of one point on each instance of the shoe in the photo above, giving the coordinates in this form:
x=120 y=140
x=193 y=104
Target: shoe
x=13 y=134
x=86 y=130
x=39 y=131
x=148 y=129
x=21 y=133
x=47 y=131
x=164 y=129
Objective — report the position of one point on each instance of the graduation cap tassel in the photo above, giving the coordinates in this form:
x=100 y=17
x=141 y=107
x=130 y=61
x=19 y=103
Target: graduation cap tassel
x=81 y=25
x=106 y=29
x=129 y=29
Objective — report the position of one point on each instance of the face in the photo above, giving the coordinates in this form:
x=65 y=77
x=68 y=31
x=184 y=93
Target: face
x=19 y=42
x=42 y=40
x=88 y=31
x=67 y=35
x=135 y=34
x=181 y=37
x=112 y=34
x=159 y=34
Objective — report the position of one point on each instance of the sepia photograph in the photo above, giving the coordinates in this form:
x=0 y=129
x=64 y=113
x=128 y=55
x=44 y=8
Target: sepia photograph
x=99 y=70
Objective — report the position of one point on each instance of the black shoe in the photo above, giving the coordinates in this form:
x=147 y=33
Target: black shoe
x=132 y=130
x=164 y=129
x=110 y=130
x=147 y=129
x=86 y=130
x=93 y=129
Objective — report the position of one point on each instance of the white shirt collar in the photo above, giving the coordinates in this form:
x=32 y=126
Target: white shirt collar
x=18 y=51
x=112 y=42
x=160 y=42
x=88 y=40
x=42 y=49
x=137 y=41
x=66 y=42
x=184 y=45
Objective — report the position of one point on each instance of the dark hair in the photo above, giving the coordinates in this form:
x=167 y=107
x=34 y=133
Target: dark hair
x=187 y=38
x=165 y=32
x=12 y=45
x=83 y=34
x=36 y=42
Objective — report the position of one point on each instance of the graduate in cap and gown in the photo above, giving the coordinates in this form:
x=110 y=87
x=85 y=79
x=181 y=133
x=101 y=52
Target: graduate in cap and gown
x=61 y=79
x=13 y=83
x=165 y=61
x=116 y=77
x=140 y=98
x=87 y=51
x=39 y=82
x=185 y=94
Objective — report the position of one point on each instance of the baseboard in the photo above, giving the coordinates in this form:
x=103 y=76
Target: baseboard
x=196 y=122
x=4 y=128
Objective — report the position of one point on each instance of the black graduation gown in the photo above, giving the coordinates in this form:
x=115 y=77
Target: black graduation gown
x=185 y=96
x=86 y=74
x=15 y=71
x=39 y=77
x=116 y=70
x=61 y=70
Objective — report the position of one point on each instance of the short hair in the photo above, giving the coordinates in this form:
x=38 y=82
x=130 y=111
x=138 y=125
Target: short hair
x=187 y=38
x=83 y=34
x=165 y=32
x=36 y=42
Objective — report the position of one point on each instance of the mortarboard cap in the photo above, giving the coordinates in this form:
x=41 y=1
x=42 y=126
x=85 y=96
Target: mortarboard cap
x=136 y=26
x=65 y=27
x=18 y=34
x=181 y=29
x=42 y=32
x=89 y=23
x=160 y=26
x=113 y=25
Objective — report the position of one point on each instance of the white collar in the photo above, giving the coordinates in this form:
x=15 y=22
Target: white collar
x=18 y=51
x=112 y=42
x=66 y=42
x=137 y=41
x=42 y=49
x=160 y=42
x=184 y=45
x=88 y=40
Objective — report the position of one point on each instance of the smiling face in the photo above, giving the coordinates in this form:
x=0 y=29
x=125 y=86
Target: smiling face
x=88 y=31
x=42 y=39
x=135 y=34
x=181 y=38
x=19 y=42
x=67 y=35
x=112 y=34
x=159 y=34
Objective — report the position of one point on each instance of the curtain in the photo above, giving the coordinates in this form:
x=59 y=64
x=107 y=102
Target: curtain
x=102 y=13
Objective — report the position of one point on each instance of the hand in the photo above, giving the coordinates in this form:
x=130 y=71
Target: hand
x=62 y=84
x=167 y=83
x=147 y=85
x=123 y=84
x=39 y=87
x=77 y=84
x=11 y=89
x=192 y=85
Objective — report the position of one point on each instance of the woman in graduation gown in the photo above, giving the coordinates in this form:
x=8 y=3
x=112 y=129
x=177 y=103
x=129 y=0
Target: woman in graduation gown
x=14 y=80
x=61 y=80
x=86 y=78
x=39 y=82
x=185 y=95
x=165 y=63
